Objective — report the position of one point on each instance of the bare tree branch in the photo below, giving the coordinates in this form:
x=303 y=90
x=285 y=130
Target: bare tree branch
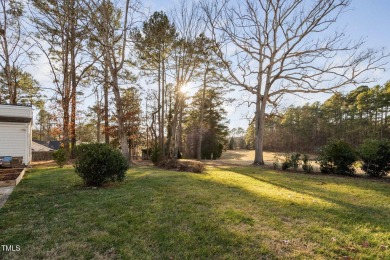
x=276 y=47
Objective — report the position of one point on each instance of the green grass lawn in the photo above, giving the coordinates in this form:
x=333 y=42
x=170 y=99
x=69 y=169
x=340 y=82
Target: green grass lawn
x=225 y=213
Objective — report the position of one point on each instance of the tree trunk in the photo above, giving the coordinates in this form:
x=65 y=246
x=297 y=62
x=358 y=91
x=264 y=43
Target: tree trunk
x=201 y=114
x=99 y=117
x=7 y=67
x=106 y=86
x=173 y=133
x=153 y=130
x=65 y=127
x=259 y=131
x=11 y=85
x=159 y=108
x=74 y=86
x=66 y=95
x=73 y=117
x=122 y=136
x=180 y=130
x=163 y=108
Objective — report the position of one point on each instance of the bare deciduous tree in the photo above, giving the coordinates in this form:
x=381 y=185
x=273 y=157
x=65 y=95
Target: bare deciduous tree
x=153 y=45
x=188 y=55
x=61 y=35
x=111 y=26
x=276 y=47
x=15 y=49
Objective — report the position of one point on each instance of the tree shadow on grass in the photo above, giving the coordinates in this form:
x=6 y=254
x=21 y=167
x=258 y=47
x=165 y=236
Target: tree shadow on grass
x=363 y=213
x=166 y=214
x=155 y=214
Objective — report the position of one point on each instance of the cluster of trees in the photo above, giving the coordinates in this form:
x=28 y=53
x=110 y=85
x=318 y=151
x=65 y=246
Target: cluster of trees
x=363 y=113
x=205 y=125
x=174 y=54
x=106 y=48
x=16 y=85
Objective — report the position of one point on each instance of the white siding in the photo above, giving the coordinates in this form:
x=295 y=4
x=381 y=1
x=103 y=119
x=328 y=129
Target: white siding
x=16 y=111
x=15 y=140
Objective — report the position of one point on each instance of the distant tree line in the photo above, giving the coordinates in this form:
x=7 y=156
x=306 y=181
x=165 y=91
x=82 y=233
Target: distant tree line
x=363 y=113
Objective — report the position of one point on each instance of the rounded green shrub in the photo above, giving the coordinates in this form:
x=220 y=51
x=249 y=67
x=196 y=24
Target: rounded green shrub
x=60 y=157
x=155 y=155
x=291 y=161
x=99 y=163
x=375 y=155
x=337 y=157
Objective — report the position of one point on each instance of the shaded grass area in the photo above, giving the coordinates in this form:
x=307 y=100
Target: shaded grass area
x=226 y=213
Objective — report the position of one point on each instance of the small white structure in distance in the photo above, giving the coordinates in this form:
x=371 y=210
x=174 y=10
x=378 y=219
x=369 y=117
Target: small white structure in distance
x=16 y=131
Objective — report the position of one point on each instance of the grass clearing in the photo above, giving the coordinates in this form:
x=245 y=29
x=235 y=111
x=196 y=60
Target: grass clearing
x=226 y=213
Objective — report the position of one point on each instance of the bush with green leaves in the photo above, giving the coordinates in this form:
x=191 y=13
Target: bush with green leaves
x=61 y=157
x=291 y=161
x=99 y=163
x=155 y=155
x=337 y=157
x=306 y=165
x=375 y=155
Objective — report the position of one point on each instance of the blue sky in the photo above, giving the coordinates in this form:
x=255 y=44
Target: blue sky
x=369 y=19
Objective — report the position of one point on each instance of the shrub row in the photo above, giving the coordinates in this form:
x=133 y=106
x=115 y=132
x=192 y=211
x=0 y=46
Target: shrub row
x=293 y=161
x=338 y=157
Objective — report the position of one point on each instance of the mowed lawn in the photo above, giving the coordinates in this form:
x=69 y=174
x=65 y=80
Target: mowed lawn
x=225 y=213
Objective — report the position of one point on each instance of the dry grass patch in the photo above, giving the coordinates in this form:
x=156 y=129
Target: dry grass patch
x=182 y=165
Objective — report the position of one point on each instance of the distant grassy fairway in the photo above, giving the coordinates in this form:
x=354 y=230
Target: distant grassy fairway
x=226 y=213
x=243 y=157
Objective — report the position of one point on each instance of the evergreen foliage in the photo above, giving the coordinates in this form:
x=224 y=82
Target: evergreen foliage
x=337 y=157
x=61 y=157
x=215 y=128
x=211 y=147
x=363 y=113
x=99 y=163
x=375 y=155
x=291 y=161
x=155 y=154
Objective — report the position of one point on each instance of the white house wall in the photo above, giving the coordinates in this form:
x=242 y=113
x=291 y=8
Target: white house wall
x=15 y=137
x=15 y=141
